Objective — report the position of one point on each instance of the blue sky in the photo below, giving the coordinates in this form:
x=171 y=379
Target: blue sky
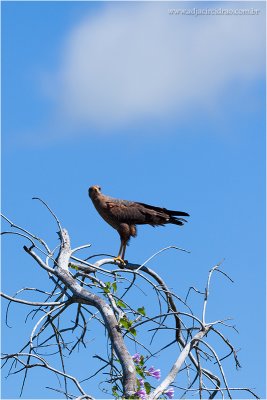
x=163 y=109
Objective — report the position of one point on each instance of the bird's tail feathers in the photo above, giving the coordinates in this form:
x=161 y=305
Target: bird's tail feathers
x=177 y=221
x=177 y=213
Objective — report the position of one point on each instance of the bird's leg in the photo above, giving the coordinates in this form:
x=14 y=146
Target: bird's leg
x=120 y=249
x=120 y=256
x=123 y=250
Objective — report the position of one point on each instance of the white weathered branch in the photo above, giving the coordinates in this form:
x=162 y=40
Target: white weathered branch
x=65 y=250
x=44 y=365
x=51 y=212
x=29 y=302
x=38 y=259
x=85 y=297
x=176 y=366
x=85 y=246
x=27 y=233
x=159 y=252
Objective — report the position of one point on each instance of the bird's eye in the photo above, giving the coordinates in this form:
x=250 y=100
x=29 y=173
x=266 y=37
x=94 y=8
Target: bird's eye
x=99 y=188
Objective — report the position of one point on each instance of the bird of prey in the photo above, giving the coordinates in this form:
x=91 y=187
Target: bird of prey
x=124 y=215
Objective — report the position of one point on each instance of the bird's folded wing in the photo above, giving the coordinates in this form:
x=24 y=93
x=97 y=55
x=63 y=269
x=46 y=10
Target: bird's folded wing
x=135 y=213
x=165 y=210
x=128 y=212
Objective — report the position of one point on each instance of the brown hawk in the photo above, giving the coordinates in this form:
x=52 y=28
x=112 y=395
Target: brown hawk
x=124 y=215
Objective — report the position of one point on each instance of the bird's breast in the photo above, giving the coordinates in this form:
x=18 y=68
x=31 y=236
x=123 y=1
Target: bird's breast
x=102 y=209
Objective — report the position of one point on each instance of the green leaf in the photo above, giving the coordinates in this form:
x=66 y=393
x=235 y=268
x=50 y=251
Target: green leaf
x=138 y=384
x=140 y=371
x=114 y=391
x=133 y=331
x=121 y=304
x=114 y=286
x=141 y=310
x=142 y=360
x=125 y=323
x=107 y=287
x=147 y=387
x=73 y=266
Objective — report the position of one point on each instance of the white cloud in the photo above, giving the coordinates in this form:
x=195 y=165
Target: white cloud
x=134 y=60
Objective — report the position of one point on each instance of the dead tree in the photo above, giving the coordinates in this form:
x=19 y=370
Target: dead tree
x=98 y=291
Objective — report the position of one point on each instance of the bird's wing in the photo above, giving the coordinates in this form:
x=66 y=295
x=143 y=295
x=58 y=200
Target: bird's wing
x=165 y=210
x=129 y=212
x=125 y=211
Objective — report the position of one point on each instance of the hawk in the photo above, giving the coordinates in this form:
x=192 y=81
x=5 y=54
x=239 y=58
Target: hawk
x=124 y=215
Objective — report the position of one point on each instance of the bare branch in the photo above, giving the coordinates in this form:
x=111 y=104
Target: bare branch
x=30 y=303
x=85 y=246
x=51 y=212
x=27 y=233
x=177 y=366
x=159 y=252
x=65 y=250
x=85 y=297
x=43 y=364
x=38 y=259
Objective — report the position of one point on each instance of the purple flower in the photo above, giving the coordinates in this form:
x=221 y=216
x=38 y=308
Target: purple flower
x=136 y=358
x=154 y=372
x=170 y=392
x=141 y=381
x=141 y=393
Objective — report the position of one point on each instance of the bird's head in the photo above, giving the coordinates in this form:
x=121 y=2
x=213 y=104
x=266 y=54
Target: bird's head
x=94 y=191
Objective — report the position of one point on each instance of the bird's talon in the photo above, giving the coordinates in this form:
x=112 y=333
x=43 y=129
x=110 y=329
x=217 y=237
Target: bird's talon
x=121 y=261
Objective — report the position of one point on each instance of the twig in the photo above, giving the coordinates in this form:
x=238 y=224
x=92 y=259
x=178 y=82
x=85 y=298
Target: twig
x=28 y=302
